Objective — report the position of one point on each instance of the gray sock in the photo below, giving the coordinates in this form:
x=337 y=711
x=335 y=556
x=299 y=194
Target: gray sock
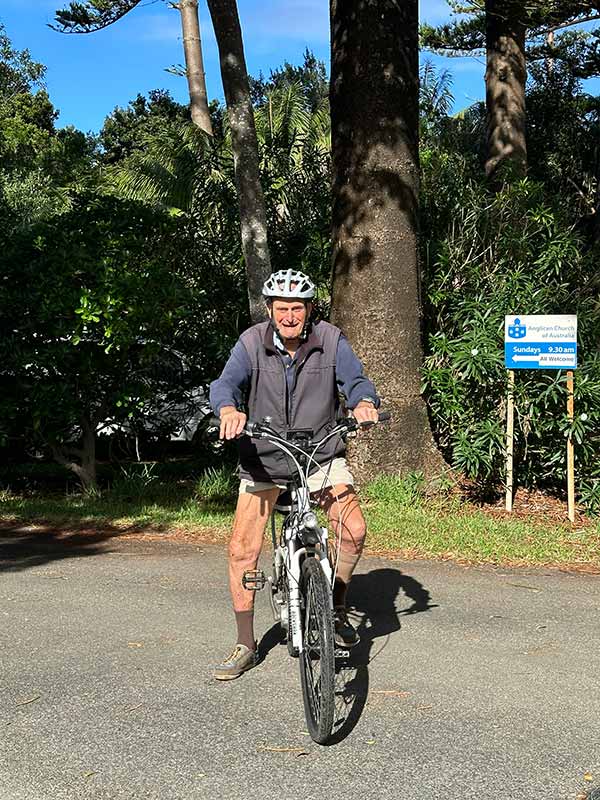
x=245 y=628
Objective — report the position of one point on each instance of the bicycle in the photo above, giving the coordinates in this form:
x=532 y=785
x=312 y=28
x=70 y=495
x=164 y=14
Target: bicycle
x=301 y=583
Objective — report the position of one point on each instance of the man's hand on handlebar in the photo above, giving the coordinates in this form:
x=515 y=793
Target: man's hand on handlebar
x=365 y=412
x=232 y=422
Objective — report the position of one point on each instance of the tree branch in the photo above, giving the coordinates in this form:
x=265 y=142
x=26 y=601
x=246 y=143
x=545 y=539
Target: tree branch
x=545 y=31
x=88 y=18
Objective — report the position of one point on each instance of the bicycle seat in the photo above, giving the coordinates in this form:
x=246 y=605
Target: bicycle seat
x=284 y=502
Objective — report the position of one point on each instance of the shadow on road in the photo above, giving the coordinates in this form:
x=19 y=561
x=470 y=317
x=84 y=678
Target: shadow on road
x=23 y=547
x=373 y=597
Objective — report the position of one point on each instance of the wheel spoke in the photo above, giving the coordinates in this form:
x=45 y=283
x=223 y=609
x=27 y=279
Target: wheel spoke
x=309 y=649
x=317 y=663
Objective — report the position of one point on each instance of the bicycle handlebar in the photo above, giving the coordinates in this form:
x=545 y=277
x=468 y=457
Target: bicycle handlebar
x=260 y=430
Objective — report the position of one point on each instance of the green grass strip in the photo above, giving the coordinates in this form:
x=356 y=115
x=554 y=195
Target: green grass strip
x=400 y=518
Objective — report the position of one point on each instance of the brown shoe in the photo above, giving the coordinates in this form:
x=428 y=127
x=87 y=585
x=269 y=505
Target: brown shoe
x=344 y=634
x=239 y=661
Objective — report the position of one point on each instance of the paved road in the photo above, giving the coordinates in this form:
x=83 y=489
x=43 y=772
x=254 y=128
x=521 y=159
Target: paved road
x=470 y=683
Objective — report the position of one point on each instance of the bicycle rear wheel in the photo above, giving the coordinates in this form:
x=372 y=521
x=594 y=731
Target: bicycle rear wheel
x=317 y=659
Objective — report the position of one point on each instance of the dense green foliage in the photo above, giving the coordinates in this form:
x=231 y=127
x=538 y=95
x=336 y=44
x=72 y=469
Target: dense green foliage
x=123 y=281
x=87 y=307
x=310 y=77
x=528 y=248
x=37 y=162
x=180 y=168
x=120 y=250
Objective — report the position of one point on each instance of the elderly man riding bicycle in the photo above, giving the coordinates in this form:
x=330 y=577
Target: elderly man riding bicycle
x=291 y=369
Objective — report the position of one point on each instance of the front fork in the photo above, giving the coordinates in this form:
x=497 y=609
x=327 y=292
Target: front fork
x=288 y=557
x=296 y=552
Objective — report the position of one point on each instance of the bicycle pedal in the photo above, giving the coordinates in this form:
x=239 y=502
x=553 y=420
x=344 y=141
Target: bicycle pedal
x=254 y=580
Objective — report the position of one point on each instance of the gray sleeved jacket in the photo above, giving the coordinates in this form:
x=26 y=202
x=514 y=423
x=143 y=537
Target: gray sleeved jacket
x=230 y=387
x=298 y=393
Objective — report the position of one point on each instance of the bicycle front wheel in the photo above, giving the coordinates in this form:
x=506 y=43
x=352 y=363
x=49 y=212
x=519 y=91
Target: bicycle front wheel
x=317 y=659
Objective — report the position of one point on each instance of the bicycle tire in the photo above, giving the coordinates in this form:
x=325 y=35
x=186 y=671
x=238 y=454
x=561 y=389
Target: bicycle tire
x=318 y=686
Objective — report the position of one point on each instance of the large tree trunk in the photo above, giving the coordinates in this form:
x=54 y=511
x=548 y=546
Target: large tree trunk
x=81 y=460
x=194 y=66
x=376 y=291
x=253 y=218
x=505 y=78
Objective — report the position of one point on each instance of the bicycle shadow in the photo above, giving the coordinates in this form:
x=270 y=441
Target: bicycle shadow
x=372 y=598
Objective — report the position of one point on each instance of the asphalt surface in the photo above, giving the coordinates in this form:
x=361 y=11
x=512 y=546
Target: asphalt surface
x=469 y=682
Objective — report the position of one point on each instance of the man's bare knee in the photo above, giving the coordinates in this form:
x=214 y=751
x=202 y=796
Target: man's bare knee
x=251 y=515
x=346 y=518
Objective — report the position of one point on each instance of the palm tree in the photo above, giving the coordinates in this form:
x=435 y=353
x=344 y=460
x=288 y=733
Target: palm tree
x=189 y=173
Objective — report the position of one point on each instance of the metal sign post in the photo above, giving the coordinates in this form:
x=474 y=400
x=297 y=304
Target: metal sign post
x=540 y=341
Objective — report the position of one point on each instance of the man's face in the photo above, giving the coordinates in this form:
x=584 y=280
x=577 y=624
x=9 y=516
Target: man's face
x=289 y=317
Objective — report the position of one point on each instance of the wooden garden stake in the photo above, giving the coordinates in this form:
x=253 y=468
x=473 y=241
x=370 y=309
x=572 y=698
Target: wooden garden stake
x=510 y=423
x=570 y=449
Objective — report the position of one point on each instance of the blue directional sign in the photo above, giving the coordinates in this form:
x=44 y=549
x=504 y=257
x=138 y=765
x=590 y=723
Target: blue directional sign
x=540 y=341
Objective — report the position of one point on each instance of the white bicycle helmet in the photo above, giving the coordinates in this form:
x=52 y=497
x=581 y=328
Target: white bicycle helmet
x=289 y=284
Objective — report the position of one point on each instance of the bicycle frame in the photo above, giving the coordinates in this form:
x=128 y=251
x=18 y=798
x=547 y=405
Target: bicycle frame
x=291 y=550
x=301 y=587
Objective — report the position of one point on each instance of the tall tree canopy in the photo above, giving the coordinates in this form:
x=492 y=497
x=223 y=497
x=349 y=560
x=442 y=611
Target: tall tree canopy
x=310 y=76
x=467 y=35
x=513 y=34
x=93 y=15
x=96 y=14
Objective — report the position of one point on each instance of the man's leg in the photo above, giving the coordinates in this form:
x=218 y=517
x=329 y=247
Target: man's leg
x=252 y=513
x=251 y=516
x=349 y=528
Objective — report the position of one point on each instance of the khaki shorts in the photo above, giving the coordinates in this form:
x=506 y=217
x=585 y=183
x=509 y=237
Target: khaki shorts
x=330 y=474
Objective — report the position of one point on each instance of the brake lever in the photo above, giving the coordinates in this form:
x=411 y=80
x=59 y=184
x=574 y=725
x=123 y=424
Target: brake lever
x=258 y=430
x=384 y=416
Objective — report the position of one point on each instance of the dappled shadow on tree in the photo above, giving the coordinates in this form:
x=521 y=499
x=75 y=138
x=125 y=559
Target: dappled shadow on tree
x=374 y=129
x=376 y=280
x=373 y=598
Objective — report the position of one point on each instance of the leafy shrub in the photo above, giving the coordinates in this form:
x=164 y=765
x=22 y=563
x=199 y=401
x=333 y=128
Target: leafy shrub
x=516 y=251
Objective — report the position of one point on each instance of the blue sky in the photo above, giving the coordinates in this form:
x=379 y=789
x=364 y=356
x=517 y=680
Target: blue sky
x=88 y=75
